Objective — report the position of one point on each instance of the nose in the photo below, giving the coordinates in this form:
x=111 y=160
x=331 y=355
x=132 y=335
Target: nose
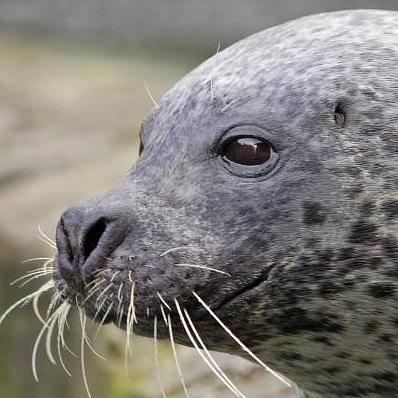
x=84 y=241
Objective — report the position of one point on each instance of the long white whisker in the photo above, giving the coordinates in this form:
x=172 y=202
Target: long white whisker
x=37 y=342
x=50 y=331
x=54 y=301
x=242 y=345
x=163 y=314
x=165 y=253
x=65 y=309
x=64 y=322
x=99 y=308
x=104 y=292
x=207 y=361
x=93 y=290
x=31 y=275
x=201 y=342
x=176 y=357
x=28 y=260
x=83 y=320
x=115 y=275
x=103 y=320
x=119 y=307
x=32 y=272
x=47 y=243
x=156 y=352
x=23 y=301
x=31 y=279
x=164 y=301
x=45 y=236
x=202 y=267
x=36 y=310
x=130 y=322
x=91 y=347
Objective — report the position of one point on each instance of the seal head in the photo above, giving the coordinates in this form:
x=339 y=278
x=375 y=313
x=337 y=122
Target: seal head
x=267 y=186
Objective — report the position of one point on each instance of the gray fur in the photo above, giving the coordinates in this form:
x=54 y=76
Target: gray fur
x=315 y=239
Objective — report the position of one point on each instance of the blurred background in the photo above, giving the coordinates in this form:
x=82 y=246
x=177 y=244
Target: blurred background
x=72 y=97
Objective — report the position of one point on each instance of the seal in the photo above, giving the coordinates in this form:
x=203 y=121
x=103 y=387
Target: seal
x=261 y=217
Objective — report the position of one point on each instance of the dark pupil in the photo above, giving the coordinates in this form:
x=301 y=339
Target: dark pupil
x=141 y=148
x=247 y=151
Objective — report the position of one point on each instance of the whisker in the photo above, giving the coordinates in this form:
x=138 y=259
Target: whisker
x=47 y=243
x=242 y=345
x=36 y=310
x=91 y=347
x=203 y=267
x=176 y=357
x=61 y=327
x=28 y=260
x=119 y=293
x=50 y=331
x=130 y=320
x=104 y=292
x=177 y=248
x=31 y=279
x=150 y=94
x=129 y=327
x=45 y=236
x=103 y=320
x=119 y=322
x=83 y=320
x=164 y=301
x=60 y=337
x=36 y=273
x=132 y=304
x=54 y=301
x=115 y=275
x=100 y=307
x=37 y=343
x=43 y=268
x=207 y=361
x=156 y=353
x=23 y=301
x=163 y=314
x=201 y=342
x=93 y=290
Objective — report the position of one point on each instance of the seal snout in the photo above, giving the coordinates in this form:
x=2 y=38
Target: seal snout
x=84 y=240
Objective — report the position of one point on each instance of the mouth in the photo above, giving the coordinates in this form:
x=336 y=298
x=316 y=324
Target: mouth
x=121 y=306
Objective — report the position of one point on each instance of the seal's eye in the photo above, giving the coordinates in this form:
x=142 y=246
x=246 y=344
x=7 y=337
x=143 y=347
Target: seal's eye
x=141 y=148
x=247 y=151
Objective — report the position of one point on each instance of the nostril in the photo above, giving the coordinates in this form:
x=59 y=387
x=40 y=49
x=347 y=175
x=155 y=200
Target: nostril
x=92 y=237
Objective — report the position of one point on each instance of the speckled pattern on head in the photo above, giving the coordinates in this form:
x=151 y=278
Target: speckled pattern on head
x=309 y=249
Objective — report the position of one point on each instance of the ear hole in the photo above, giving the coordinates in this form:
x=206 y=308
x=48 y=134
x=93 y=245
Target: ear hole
x=340 y=115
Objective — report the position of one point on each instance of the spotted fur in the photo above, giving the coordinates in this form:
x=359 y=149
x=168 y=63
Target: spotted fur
x=311 y=247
